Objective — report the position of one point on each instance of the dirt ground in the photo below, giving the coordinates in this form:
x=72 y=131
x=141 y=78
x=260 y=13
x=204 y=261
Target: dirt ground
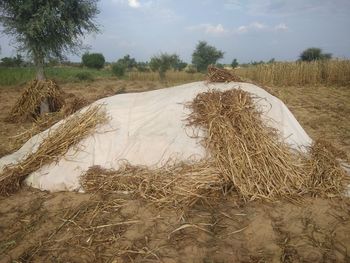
x=71 y=227
x=38 y=226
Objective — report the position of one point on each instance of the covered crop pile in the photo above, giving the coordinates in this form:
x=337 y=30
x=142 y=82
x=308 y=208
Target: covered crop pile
x=246 y=156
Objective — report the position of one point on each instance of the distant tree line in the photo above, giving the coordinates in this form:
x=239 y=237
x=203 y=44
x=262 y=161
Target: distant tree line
x=203 y=56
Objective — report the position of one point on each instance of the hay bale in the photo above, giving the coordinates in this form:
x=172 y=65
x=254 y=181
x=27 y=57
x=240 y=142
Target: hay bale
x=221 y=75
x=55 y=145
x=28 y=105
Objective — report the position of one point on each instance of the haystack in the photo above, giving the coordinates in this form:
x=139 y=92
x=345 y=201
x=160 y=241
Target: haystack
x=221 y=75
x=217 y=137
x=38 y=91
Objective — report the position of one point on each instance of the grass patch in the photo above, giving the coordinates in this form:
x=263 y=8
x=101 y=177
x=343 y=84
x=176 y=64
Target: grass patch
x=17 y=76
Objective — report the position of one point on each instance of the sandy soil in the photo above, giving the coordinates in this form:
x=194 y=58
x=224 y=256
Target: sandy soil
x=72 y=227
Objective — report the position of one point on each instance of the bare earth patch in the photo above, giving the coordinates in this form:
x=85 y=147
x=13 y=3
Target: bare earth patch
x=71 y=227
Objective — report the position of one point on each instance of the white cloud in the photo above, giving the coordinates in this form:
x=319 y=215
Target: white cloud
x=209 y=29
x=257 y=26
x=281 y=27
x=134 y=3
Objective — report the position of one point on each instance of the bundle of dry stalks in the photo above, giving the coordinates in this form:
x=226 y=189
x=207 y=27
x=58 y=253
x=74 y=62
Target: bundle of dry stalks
x=248 y=153
x=28 y=105
x=47 y=120
x=56 y=144
x=180 y=185
x=326 y=178
x=221 y=75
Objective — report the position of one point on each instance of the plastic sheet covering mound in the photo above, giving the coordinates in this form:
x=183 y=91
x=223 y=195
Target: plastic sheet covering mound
x=149 y=128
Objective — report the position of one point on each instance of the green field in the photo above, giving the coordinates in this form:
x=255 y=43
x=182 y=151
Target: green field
x=17 y=76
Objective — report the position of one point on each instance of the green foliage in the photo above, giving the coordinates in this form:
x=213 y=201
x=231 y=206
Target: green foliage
x=119 y=69
x=271 y=61
x=162 y=63
x=142 y=67
x=205 y=55
x=93 y=60
x=20 y=75
x=313 y=53
x=48 y=28
x=12 y=62
x=84 y=76
x=219 y=65
x=129 y=62
x=234 y=63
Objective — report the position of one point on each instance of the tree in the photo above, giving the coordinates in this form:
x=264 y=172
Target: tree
x=118 y=69
x=142 y=66
x=234 y=63
x=178 y=64
x=162 y=63
x=204 y=55
x=47 y=28
x=93 y=60
x=313 y=53
x=12 y=62
x=129 y=62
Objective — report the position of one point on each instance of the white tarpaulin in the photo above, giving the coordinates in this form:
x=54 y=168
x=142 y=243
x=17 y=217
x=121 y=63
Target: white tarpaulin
x=148 y=128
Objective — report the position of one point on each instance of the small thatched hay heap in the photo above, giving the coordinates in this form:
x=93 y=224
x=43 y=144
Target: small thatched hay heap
x=54 y=146
x=221 y=75
x=28 y=105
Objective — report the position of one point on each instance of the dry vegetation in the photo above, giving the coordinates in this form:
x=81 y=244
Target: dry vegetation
x=330 y=73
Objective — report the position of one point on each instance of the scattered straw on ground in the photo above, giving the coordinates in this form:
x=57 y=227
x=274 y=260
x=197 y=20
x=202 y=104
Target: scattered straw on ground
x=28 y=105
x=327 y=178
x=181 y=185
x=221 y=75
x=58 y=142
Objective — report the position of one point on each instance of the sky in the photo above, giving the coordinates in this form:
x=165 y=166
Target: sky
x=248 y=30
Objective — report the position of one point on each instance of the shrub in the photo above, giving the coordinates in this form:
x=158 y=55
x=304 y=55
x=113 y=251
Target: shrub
x=314 y=53
x=205 y=55
x=118 y=69
x=93 y=60
x=84 y=76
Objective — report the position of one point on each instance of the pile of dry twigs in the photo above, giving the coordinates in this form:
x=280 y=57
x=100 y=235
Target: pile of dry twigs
x=221 y=75
x=28 y=105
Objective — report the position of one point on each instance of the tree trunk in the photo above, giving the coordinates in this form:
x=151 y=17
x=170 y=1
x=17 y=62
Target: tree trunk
x=40 y=76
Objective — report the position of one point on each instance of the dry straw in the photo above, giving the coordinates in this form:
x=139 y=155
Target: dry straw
x=249 y=154
x=28 y=105
x=56 y=144
x=181 y=185
x=221 y=75
x=47 y=120
x=245 y=155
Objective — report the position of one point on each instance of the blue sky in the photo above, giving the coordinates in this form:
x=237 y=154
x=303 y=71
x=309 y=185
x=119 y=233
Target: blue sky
x=246 y=30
